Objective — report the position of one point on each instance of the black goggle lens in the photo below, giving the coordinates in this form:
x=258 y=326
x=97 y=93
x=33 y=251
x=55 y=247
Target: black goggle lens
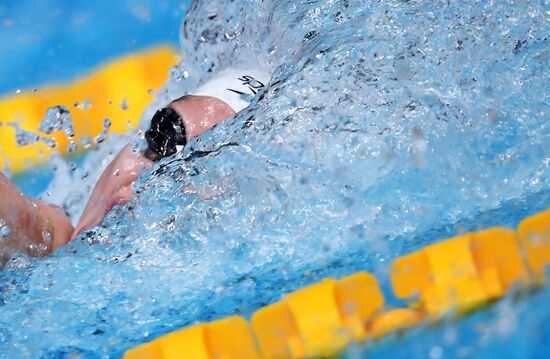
x=166 y=133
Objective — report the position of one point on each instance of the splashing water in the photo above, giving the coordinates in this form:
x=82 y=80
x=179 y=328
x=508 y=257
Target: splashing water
x=57 y=118
x=72 y=146
x=25 y=138
x=103 y=134
x=4 y=229
x=386 y=125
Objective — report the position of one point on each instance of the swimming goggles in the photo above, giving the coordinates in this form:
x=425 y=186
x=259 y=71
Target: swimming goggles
x=167 y=132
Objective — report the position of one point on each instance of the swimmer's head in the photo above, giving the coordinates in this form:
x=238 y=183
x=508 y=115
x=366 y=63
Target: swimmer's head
x=182 y=119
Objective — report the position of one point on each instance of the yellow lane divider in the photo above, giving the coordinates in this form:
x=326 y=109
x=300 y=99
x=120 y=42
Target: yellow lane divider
x=119 y=91
x=455 y=275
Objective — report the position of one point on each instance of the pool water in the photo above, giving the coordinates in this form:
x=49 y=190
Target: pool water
x=387 y=125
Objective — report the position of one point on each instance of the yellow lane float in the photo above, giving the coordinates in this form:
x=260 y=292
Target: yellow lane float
x=452 y=276
x=119 y=91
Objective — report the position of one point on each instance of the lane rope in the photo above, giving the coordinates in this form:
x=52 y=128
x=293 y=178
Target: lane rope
x=456 y=275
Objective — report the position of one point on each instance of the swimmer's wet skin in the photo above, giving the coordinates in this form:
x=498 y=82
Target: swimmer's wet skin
x=29 y=225
x=452 y=276
x=170 y=129
x=195 y=114
x=38 y=229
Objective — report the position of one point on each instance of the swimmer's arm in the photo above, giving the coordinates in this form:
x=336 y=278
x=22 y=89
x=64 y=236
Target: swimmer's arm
x=199 y=113
x=114 y=187
x=29 y=225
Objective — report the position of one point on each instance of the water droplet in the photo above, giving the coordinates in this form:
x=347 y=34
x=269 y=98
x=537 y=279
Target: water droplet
x=86 y=141
x=73 y=146
x=50 y=142
x=124 y=104
x=47 y=237
x=86 y=105
x=38 y=248
x=22 y=137
x=175 y=73
x=72 y=166
x=18 y=91
x=103 y=134
x=116 y=172
x=150 y=92
x=4 y=229
x=57 y=118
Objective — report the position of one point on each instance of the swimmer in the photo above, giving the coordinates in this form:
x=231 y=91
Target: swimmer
x=171 y=127
x=38 y=229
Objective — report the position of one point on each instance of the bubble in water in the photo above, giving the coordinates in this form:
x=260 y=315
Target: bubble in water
x=57 y=118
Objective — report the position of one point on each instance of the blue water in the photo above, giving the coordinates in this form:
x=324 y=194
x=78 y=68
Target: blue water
x=387 y=125
x=56 y=40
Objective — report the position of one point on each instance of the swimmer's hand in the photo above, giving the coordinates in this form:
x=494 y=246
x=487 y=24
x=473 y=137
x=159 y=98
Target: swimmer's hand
x=114 y=187
x=28 y=225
